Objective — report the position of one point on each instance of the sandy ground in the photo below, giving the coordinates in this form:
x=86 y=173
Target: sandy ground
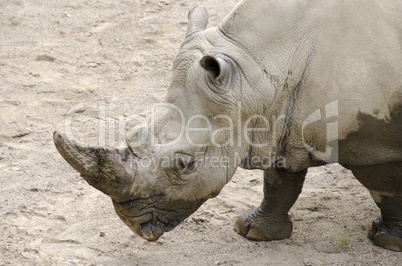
x=88 y=66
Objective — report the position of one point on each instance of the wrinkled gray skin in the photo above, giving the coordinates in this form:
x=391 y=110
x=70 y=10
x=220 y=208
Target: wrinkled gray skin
x=304 y=66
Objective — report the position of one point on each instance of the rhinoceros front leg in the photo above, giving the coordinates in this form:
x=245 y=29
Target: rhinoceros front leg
x=270 y=221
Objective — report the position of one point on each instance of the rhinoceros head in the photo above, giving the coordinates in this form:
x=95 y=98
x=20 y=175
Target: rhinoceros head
x=185 y=153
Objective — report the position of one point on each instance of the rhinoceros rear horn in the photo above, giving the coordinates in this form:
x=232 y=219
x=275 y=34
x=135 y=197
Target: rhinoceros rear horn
x=197 y=20
x=110 y=171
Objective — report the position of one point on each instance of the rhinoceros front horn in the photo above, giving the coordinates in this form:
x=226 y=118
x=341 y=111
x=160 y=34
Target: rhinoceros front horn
x=110 y=171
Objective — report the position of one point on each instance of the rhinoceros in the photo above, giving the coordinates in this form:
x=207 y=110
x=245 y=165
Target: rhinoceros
x=279 y=86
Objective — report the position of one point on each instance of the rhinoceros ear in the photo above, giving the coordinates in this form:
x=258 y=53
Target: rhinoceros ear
x=197 y=20
x=216 y=67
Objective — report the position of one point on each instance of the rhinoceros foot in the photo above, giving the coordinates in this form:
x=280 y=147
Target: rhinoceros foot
x=259 y=225
x=384 y=237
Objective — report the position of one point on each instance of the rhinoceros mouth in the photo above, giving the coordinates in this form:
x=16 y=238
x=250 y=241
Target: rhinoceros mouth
x=154 y=228
x=152 y=222
x=145 y=223
x=151 y=231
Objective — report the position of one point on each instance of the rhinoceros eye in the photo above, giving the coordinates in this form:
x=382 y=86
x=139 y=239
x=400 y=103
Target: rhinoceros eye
x=184 y=164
